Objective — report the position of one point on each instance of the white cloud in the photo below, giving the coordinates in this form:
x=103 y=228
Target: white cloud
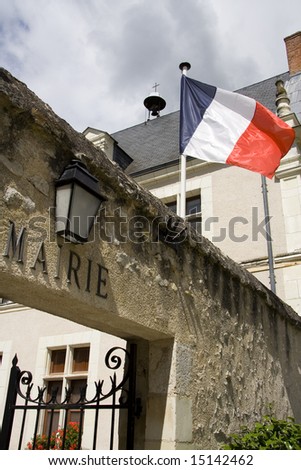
x=95 y=61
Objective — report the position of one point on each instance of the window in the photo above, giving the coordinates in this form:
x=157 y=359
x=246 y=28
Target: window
x=67 y=369
x=54 y=389
x=57 y=364
x=77 y=387
x=80 y=359
x=193 y=211
x=172 y=206
x=193 y=205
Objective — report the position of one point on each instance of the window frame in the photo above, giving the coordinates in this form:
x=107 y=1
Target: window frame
x=193 y=218
x=65 y=377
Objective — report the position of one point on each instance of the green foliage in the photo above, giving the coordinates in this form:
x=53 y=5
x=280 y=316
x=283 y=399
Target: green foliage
x=270 y=434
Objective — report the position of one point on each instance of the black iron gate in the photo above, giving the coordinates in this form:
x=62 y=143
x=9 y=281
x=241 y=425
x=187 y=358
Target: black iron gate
x=116 y=397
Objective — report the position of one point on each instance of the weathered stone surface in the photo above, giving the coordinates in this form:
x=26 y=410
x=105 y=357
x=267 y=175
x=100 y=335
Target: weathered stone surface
x=13 y=167
x=220 y=345
x=40 y=184
x=14 y=200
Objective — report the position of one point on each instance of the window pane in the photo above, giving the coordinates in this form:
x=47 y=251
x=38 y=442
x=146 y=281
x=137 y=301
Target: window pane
x=54 y=390
x=196 y=223
x=80 y=359
x=55 y=422
x=57 y=364
x=172 y=206
x=77 y=386
x=193 y=205
x=84 y=207
x=74 y=416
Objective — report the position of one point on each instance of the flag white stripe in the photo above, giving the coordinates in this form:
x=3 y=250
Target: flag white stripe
x=214 y=139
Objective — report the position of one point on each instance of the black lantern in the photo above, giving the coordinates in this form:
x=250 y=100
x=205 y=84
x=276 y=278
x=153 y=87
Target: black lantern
x=77 y=202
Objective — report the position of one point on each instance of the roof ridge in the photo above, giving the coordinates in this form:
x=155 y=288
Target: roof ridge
x=262 y=81
x=145 y=122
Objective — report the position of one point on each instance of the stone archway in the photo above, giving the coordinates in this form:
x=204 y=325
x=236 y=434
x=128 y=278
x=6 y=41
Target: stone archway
x=215 y=345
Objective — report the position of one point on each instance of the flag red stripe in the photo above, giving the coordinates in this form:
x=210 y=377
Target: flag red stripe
x=265 y=141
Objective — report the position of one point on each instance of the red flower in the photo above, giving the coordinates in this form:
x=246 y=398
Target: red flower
x=56 y=439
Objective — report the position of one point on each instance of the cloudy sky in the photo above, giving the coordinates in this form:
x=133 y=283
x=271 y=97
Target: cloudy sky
x=94 y=61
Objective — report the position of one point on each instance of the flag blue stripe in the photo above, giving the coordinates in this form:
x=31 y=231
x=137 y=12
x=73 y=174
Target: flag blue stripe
x=196 y=97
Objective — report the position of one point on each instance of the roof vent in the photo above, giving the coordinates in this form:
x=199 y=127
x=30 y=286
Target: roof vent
x=154 y=103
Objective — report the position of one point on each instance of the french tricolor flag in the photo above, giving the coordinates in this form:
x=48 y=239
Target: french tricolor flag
x=225 y=127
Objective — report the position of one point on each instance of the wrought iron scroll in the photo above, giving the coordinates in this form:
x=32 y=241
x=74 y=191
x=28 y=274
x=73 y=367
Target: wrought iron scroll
x=21 y=385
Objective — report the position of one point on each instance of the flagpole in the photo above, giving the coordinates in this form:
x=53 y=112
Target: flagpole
x=184 y=66
x=183 y=187
x=268 y=234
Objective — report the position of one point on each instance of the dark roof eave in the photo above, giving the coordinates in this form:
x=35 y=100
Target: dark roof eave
x=153 y=169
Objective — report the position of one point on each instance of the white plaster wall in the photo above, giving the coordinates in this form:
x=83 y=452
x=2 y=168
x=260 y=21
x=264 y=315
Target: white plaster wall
x=291 y=200
x=292 y=286
x=238 y=203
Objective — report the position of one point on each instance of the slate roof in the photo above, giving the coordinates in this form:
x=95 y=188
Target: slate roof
x=152 y=144
x=264 y=92
x=155 y=144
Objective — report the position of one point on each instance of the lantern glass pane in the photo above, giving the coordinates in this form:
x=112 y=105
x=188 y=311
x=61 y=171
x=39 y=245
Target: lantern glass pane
x=84 y=207
x=63 y=195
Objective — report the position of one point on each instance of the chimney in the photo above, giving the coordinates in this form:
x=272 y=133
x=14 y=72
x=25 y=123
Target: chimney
x=293 y=51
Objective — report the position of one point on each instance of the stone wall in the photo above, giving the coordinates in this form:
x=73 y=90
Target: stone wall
x=215 y=346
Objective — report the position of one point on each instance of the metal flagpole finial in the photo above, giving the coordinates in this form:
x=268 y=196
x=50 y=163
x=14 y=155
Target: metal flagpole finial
x=184 y=66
